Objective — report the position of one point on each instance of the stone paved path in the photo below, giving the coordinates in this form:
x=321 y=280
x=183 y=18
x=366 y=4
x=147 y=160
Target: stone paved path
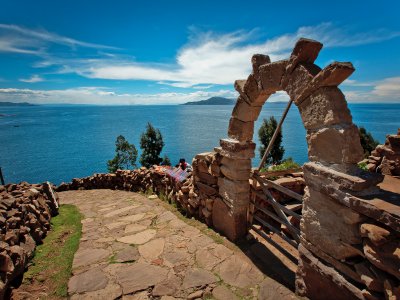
x=133 y=247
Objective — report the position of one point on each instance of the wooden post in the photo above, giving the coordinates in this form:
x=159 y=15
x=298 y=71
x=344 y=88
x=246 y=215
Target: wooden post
x=1 y=177
x=272 y=141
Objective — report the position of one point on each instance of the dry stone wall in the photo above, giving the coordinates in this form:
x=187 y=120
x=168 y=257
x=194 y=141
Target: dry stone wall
x=385 y=159
x=25 y=212
x=195 y=195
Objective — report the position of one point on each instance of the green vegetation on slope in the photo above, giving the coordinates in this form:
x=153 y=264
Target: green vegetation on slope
x=52 y=263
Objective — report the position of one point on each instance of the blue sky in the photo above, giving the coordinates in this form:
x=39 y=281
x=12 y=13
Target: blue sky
x=166 y=52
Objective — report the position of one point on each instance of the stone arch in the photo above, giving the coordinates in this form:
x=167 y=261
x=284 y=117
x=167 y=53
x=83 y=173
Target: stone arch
x=333 y=140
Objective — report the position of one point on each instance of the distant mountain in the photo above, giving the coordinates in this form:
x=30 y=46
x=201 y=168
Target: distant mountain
x=16 y=104
x=212 y=101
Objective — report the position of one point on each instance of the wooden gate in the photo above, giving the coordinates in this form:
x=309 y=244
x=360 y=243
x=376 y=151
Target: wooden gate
x=279 y=212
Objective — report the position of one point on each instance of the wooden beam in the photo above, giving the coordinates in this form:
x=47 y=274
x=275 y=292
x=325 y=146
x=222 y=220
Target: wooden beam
x=280 y=172
x=276 y=218
x=288 y=211
x=282 y=235
x=278 y=187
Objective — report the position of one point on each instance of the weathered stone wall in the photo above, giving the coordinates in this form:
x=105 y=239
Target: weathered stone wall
x=195 y=195
x=25 y=212
x=385 y=159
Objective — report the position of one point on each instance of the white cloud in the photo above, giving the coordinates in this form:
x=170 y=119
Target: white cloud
x=389 y=87
x=220 y=59
x=33 y=79
x=99 y=95
x=385 y=90
x=18 y=39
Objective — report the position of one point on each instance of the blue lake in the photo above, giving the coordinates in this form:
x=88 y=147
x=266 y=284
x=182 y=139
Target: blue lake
x=57 y=143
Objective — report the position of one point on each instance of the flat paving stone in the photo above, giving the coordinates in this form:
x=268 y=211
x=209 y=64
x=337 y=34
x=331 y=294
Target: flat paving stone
x=138 y=238
x=91 y=280
x=139 y=276
x=89 y=256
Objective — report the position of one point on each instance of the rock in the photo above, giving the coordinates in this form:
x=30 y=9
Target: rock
x=152 y=250
x=244 y=112
x=239 y=273
x=242 y=131
x=329 y=226
x=198 y=277
x=377 y=235
x=129 y=254
x=347 y=148
x=313 y=276
x=385 y=257
x=195 y=295
x=138 y=238
x=221 y=292
x=139 y=276
x=326 y=106
x=271 y=290
x=271 y=75
x=84 y=257
x=231 y=225
x=88 y=281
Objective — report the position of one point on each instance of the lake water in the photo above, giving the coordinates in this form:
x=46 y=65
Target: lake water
x=57 y=143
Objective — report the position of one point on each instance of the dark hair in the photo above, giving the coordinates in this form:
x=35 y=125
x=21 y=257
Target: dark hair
x=182 y=160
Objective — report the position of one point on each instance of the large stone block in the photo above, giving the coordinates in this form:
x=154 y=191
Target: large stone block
x=235 y=146
x=335 y=145
x=233 y=226
x=326 y=106
x=235 y=193
x=232 y=173
x=316 y=280
x=245 y=112
x=305 y=51
x=237 y=164
x=330 y=76
x=322 y=178
x=271 y=76
x=250 y=91
x=234 y=186
x=234 y=155
x=385 y=257
x=256 y=61
x=329 y=226
x=299 y=79
x=242 y=131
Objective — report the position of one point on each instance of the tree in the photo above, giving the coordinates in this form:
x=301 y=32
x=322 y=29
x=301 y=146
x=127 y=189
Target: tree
x=151 y=142
x=125 y=155
x=367 y=141
x=265 y=134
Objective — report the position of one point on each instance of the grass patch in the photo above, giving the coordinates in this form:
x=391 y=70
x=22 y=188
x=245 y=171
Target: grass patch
x=52 y=262
x=286 y=164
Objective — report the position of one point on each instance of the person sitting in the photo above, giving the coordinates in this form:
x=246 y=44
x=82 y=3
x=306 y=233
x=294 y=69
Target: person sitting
x=182 y=164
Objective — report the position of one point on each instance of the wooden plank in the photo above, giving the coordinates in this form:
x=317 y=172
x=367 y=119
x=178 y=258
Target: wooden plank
x=289 y=212
x=278 y=187
x=281 y=234
x=280 y=172
x=278 y=211
x=283 y=250
x=276 y=218
x=294 y=206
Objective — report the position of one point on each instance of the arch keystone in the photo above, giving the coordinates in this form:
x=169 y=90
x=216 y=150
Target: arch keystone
x=305 y=51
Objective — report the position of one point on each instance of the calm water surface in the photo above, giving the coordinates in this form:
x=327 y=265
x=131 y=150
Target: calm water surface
x=57 y=143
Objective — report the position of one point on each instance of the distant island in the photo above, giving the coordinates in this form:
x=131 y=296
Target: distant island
x=212 y=101
x=16 y=104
